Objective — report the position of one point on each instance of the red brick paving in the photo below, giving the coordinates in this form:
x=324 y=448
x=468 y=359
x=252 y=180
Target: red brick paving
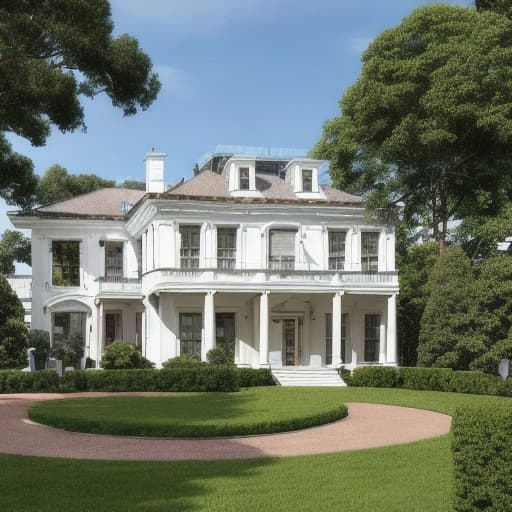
x=367 y=426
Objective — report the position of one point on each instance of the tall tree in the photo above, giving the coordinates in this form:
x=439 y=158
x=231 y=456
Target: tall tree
x=14 y=247
x=415 y=269
x=13 y=333
x=503 y=7
x=133 y=184
x=51 y=52
x=428 y=123
x=57 y=184
x=451 y=330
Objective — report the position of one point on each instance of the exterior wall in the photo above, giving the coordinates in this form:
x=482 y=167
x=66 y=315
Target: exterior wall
x=164 y=290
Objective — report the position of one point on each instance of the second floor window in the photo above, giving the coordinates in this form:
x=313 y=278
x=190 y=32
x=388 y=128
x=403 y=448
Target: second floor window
x=65 y=263
x=190 y=246
x=226 y=248
x=369 y=252
x=307 y=180
x=114 y=260
x=282 y=249
x=336 y=250
x=243 y=178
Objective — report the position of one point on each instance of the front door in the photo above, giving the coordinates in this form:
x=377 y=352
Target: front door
x=290 y=339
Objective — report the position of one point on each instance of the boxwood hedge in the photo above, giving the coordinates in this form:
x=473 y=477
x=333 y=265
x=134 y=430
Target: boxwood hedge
x=482 y=451
x=200 y=378
x=433 y=379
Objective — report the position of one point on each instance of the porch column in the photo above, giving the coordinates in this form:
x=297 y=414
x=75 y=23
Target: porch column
x=264 y=313
x=99 y=344
x=336 y=330
x=391 y=345
x=209 y=322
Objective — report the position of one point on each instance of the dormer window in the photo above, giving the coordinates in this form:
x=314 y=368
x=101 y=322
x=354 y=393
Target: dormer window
x=243 y=177
x=307 y=180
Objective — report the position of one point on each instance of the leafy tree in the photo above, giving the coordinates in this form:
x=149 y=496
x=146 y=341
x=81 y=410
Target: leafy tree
x=51 y=53
x=134 y=184
x=451 y=329
x=428 y=122
x=14 y=246
x=57 y=184
x=13 y=333
x=415 y=269
x=503 y=7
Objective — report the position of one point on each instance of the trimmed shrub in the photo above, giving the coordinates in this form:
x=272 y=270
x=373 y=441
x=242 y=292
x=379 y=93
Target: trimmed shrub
x=482 y=451
x=16 y=381
x=124 y=356
x=183 y=361
x=375 y=376
x=69 y=349
x=476 y=383
x=433 y=379
x=221 y=355
x=346 y=375
x=253 y=377
x=40 y=340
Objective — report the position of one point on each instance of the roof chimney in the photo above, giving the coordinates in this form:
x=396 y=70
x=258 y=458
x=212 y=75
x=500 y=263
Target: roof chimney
x=155 y=177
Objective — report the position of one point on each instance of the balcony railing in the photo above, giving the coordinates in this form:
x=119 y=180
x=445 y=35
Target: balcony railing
x=116 y=284
x=260 y=276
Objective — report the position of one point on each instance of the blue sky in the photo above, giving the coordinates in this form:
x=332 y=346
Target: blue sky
x=253 y=72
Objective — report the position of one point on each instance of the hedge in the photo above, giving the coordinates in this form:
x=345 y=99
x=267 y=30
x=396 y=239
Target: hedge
x=200 y=378
x=482 y=450
x=433 y=379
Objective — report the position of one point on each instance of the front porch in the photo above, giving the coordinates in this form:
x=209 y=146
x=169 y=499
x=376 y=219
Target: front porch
x=273 y=330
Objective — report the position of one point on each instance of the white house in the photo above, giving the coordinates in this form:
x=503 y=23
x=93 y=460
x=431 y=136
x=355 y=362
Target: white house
x=251 y=251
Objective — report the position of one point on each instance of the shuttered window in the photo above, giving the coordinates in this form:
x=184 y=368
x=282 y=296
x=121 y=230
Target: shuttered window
x=328 y=337
x=226 y=248
x=369 y=252
x=336 y=250
x=191 y=325
x=282 y=249
x=190 y=246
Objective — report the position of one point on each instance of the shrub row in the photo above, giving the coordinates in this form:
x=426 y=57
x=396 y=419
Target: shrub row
x=433 y=379
x=482 y=452
x=200 y=378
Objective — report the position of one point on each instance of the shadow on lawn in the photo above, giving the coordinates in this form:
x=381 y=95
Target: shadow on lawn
x=40 y=484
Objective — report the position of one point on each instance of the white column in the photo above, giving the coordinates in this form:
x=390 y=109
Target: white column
x=336 y=330
x=264 y=313
x=99 y=344
x=209 y=323
x=392 y=352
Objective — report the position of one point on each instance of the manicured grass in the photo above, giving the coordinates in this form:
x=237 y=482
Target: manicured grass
x=252 y=411
x=408 y=478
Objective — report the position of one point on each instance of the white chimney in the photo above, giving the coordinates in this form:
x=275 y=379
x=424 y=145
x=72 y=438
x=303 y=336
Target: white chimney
x=155 y=177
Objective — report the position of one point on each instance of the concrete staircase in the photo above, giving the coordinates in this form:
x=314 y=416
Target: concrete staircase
x=307 y=377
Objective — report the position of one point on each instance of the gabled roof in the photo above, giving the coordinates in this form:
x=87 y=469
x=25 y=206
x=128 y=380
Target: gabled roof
x=212 y=185
x=105 y=202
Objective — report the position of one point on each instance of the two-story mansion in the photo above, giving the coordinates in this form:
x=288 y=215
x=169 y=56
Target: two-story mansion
x=251 y=251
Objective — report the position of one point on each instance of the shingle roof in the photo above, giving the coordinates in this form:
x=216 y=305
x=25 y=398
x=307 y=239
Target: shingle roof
x=105 y=202
x=210 y=184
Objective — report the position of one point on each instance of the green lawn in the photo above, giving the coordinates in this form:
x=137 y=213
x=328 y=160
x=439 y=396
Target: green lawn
x=252 y=411
x=409 y=478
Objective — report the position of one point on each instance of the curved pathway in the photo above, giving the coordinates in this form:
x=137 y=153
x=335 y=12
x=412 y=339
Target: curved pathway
x=367 y=426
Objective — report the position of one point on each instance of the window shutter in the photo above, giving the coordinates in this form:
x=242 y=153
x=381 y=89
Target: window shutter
x=282 y=242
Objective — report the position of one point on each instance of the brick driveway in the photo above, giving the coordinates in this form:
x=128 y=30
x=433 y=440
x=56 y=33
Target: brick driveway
x=367 y=426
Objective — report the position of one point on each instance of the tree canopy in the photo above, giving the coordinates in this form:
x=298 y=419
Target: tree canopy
x=51 y=53
x=14 y=246
x=57 y=184
x=428 y=122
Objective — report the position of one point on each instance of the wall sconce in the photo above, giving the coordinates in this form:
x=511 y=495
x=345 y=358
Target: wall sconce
x=102 y=243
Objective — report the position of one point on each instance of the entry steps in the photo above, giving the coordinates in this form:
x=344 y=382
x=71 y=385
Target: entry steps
x=307 y=377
